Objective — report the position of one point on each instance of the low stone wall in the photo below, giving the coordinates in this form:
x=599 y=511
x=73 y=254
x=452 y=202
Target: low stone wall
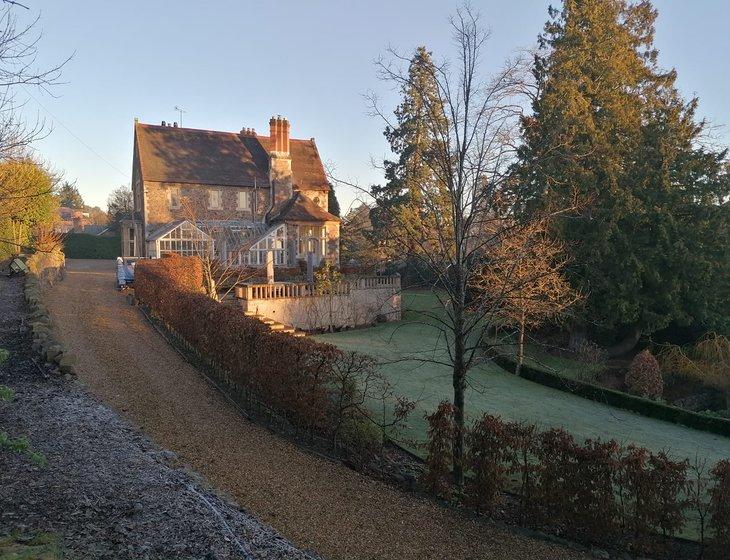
x=351 y=303
x=44 y=270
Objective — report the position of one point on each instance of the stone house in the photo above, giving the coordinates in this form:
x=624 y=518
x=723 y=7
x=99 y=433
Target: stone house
x=238 y=194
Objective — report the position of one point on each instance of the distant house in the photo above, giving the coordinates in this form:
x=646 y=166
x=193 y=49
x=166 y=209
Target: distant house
x=71 y=220
x=253 y=194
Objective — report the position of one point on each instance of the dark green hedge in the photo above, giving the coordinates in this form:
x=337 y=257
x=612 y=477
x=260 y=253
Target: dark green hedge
x=86 y=246
x=652 y=409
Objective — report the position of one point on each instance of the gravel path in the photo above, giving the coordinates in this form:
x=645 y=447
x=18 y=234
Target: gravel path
x=106 y=490
x=318 y=504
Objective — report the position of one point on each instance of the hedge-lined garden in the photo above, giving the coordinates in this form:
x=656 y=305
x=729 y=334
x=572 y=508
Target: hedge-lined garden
x=86 y=246
x=317 y=388
x=598 y=492
x=644 y=406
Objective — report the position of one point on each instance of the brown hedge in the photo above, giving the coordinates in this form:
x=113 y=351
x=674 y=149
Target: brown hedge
x=595 y=492
x=294 y=376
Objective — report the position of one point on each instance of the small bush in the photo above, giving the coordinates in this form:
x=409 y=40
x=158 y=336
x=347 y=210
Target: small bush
x=553 y=453
x=361 y=437
x=644 y=377
x=591 y=354
x=487 y=454
x=651 y=487
x=720 y=509
x=436 y=478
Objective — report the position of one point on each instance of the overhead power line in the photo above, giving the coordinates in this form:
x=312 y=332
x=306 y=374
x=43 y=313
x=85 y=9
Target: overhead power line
x=76 y=137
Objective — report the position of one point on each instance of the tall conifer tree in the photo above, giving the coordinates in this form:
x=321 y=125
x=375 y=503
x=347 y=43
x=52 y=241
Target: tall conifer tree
x=609 y=123
x=405 y=199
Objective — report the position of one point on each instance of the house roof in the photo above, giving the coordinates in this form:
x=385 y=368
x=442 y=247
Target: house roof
x=208 y=157
x=300 y=208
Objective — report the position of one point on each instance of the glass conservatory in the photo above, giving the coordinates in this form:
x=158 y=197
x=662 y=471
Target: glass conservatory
x=183 y=239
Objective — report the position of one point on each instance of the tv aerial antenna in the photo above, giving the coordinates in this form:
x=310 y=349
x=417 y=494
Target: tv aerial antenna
x=181 y=111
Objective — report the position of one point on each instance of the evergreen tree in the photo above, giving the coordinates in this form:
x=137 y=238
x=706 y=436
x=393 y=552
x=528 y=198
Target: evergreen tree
x=333 y=205
x=406 y=199
x=69 y=196
x=610 y=127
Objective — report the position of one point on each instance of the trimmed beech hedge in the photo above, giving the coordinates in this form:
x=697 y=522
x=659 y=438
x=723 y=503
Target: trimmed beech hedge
x=296 y=377
x=619 y=399
x=598 y=492
x=87 y=246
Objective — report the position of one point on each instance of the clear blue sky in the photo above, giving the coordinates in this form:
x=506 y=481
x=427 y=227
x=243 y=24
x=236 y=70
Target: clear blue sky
x=235 y=63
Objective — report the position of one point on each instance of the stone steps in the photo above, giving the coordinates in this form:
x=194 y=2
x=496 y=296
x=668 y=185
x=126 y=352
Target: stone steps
x=275 y=325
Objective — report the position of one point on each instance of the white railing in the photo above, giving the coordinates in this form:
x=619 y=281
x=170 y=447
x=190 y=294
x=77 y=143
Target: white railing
x=304 y=289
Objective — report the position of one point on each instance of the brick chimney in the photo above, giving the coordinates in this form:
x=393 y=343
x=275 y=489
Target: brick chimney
x=280 y=175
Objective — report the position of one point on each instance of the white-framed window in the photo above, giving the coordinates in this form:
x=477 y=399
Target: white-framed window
x=186 y=240
x=244 y=200
x=131 y=242
x=174 y=197
x=275 y=242
x=312 y=239
x=215 y=199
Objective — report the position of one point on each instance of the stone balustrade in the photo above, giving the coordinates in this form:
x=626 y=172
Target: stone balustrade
x=349 y=303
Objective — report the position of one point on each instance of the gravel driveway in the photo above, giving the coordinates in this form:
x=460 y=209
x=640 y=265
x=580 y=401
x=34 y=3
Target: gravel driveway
x=106 y=491
x=317 y=504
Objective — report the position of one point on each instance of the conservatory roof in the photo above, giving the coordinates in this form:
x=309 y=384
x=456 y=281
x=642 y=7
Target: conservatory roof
x=165 y=229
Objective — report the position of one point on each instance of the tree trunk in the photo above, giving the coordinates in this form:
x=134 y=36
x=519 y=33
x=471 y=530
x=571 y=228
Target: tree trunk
x=626 y=345
x=459 y=383
x=458 y=442
x=577 y=337
x=521 y=346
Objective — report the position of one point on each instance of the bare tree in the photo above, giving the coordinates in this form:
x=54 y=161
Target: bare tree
x=469 y=201
x=18 y=69
x=120 y=205
x=223 y=238
x=22 y=202
x=522 y=273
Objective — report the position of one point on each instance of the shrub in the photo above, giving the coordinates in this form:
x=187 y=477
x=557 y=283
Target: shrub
x=707 y=362
x=361 y=437
x=650 y=488
x=487 y=456
x=593 y=356
x=436 y=477
x=720 y=509
x=592 y=512
x=553 y=453
x=523 y=441
x=644 y=377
